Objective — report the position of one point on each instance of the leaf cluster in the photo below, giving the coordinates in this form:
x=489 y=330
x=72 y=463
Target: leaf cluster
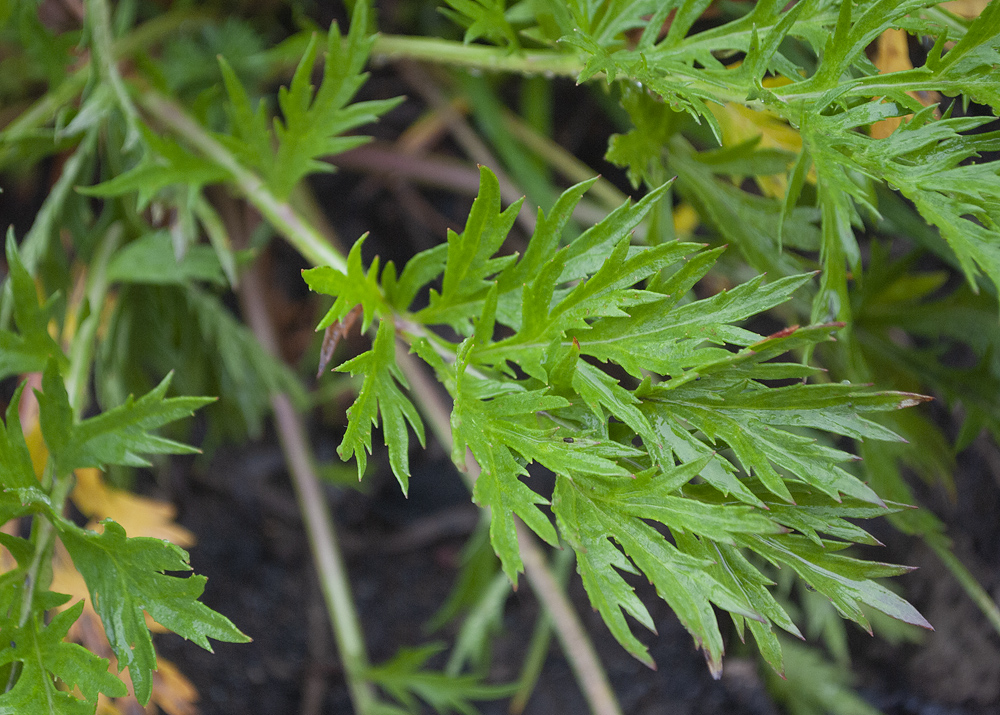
x=681 y=467
x=126 y=577
x=687 y=445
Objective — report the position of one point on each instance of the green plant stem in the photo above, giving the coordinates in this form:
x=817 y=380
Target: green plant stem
x=81 y=358
x=98 y=17
x=280 y=214
x=45 y=108
x=576 y=644
x=42 y=537
x=312 y=504
x=318 y=250
x=541 y=639
x=497 y=59
x=76 y=380
x=218 y=237
x=590 y=675
x=81 y=352
x=548 y=63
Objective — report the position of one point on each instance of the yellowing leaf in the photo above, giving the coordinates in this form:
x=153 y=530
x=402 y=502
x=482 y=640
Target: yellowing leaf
x=893 y=55
x=138 y=515
x=966 y=8
x=739 y=123
x=172 y=692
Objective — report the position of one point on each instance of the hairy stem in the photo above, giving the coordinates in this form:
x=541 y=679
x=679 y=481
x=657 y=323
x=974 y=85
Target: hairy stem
x=497 y=59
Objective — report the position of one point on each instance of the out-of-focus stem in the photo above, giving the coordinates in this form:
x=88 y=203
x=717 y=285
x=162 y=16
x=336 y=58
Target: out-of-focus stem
x=576 y=644
x=315 y=514
x=280 y=214
x=319 y=251
x=98 y=15
x=541 y=639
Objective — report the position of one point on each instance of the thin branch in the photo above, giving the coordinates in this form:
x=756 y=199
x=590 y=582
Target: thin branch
x=438 y=171
x=576 y=644
x=318 y=250
x=315 y=514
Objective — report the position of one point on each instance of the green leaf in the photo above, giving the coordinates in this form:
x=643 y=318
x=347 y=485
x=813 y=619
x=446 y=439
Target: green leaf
x=406 y=679
x=419 y=271
x=928 y=161
x=743 y=416
x=151 y=259
x=815 y=685
x=165 y=163
x=470 y=262
x=493 y=431
x=379 y=394
x=482 y=19
x=642 y=148
x=673 y=469
x=846 y=581
x=681 y=580
x=652 y=337
x=16 y=469
x=118 y=436
x=128 y=576
x=313 y=121
x=745 y=219
x=30 y=348
x=351 y=289
x=43 y=652
x=598 y=563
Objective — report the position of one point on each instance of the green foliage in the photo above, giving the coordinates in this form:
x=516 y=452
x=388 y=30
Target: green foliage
x=42 y=652
x=690 y=439
x=380 y=395
x=814 y=686
x=125 y=576
x=653 y=451
x=29 y=348
x=407 y=680
x=312 y=121
x=118 y=436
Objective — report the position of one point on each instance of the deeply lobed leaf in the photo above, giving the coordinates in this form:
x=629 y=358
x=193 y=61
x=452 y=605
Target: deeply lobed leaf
x=675 y=468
